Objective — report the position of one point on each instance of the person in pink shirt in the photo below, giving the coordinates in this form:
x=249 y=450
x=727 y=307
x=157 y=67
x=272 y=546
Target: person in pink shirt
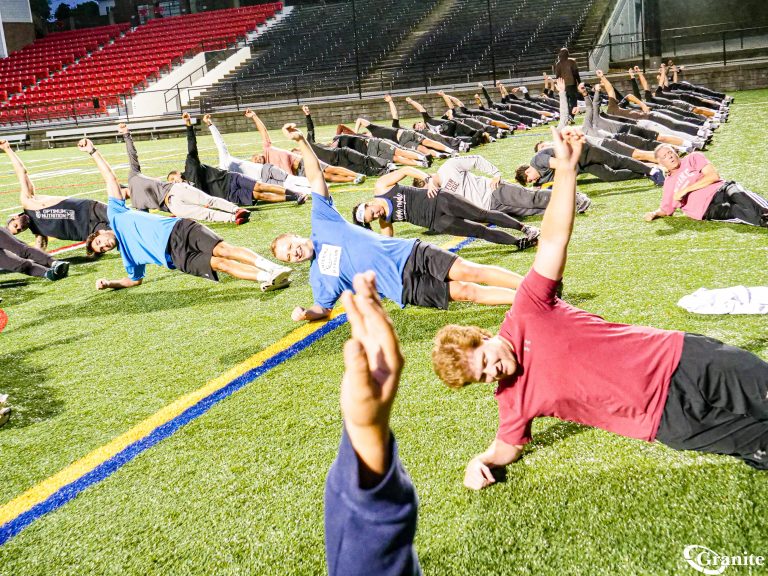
x=686 y=390
x=694 y=186
x=290 y=161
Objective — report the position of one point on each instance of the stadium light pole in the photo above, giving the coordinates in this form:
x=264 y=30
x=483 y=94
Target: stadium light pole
x=642 y=30
x=357 y=55
x=490 y=38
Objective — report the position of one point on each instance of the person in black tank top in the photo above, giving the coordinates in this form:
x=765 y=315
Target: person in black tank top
x=438 y=211
x=54 y=216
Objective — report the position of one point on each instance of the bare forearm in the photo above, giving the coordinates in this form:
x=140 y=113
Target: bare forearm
x=495 y=456
x=122 y=283
x=27 y=188
x=113 y=186
x=312 y=168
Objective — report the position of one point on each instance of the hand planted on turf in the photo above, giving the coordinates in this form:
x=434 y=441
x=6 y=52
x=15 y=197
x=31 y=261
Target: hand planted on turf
x=102 y=284
x=568 y=144
x=292 y=133
x=85 y=145
x=649 y=216
x=122 y=128
x=477 y=475
x=207 y=120
x=299 y=314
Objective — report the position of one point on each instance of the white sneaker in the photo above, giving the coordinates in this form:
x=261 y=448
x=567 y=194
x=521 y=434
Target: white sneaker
x=267 y=287
x=582 y=202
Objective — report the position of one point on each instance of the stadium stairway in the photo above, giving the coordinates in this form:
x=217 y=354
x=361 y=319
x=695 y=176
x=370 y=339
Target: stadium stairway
x=594 y=23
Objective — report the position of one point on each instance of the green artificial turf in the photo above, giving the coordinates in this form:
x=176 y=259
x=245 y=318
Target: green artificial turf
x=239 y=490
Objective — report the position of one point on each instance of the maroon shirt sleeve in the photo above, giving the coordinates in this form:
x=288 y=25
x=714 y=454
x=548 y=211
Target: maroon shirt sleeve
x=514 y=427
x=536 y=293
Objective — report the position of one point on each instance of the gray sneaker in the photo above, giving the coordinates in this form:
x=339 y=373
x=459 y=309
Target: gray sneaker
x=531 y=233
x=582 y=202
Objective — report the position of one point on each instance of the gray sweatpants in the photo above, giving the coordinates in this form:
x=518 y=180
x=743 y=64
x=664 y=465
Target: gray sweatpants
x=515 y=200
x=186 y=201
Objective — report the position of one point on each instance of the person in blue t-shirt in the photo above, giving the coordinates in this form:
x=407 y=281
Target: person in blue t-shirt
x=370 y=503
x=144 y=238
x=407 y=271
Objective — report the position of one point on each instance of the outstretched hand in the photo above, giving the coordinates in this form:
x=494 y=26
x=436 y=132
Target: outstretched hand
x=292 y=133
x=387 y=98
x=560 y=85
x=85 y=145
x=122 y=128
x=599 y=73
x=372 y=359
x=305 y=109
x=207 y=120
x=5 y=146
x=568 y=144
x=249 y=113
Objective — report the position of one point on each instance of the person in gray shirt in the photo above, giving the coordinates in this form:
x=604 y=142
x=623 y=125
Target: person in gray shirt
x=491 y=192
x=177 y=198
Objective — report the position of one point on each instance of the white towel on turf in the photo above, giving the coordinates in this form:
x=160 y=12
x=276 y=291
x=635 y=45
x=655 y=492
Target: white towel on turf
x=734 y=300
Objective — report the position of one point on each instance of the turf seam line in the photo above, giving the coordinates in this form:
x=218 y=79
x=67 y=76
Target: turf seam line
x=42 y=498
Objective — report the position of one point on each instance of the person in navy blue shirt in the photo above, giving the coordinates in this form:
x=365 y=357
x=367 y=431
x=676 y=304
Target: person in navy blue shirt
x=370 y=502
x=407 y=271
x=144 y=238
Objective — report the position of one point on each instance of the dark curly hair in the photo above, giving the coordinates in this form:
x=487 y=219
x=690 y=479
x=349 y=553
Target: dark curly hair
x=364 y=224
x=520 y=174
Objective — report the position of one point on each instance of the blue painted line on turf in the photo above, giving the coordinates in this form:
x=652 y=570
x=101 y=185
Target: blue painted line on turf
x=110 y=466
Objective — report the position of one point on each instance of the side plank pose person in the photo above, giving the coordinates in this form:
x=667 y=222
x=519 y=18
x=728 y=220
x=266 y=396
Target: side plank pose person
x=436 y=210
x=685 y=390
x=52 y=216
x=694 y=186
x=370 y=503
x=177 y=198
x=143 y=238
x=408 y=271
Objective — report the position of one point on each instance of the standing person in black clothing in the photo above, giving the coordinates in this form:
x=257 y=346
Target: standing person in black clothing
x=567 y=69
x=439 y=211
x=235 y=188
x=52 y=216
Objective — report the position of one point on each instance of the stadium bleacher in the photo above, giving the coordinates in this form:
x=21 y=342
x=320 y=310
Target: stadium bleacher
x=98 y=70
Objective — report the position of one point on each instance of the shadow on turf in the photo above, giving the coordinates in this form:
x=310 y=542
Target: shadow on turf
x=678 y=224
x=24 y=382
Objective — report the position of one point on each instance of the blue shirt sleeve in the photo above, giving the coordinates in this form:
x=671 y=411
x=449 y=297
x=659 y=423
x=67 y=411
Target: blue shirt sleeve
x=326 y=290
x=369 y=532
x=323 y=209
x=135 y=272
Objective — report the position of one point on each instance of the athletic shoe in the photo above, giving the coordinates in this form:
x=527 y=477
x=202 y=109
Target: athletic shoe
x=491 y=139
x=301 y=198
x=463 y=146
x=422 y=163
x=265 y=287
x=59 y=270
x=657 y=176
x=764 y=220
x=391 y=167
x=242 y=216
x=524 y=244
x=359 y=179
x=279 y=276
x=583 y=202
x=531 y=233
x=5 y=415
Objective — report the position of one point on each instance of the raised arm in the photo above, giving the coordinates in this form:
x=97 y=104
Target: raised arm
x=502 y=89
x=635 y=100
x=27 y=188
x=133 y=156
x=311 y=164
x=456 y=101
x=386 y=182
x=564 y=112
x=191 y=138
x=486 y=94
x=606 y=84
x=557 y=225
x=310 y=123
x=113 y=185
x=447 y=99
x=392 y=111
x=266 y=142
x=420 y=109
x=218 y=141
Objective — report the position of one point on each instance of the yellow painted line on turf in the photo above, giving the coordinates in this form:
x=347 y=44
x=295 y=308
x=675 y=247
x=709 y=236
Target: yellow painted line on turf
x=40 y=492
x=46 y=488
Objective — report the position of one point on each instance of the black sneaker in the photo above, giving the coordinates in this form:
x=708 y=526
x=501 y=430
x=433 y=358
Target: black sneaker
x=764 y=220
x=60 y=269
x=524 y=243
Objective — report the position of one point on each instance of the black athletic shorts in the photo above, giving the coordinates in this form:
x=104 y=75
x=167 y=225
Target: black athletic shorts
x=410 y=140
x=191 y=248
x=379 y=148
x=425 y=276
x=241 y=190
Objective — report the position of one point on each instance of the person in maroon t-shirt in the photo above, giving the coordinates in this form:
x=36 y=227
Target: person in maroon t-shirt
x=685 y=390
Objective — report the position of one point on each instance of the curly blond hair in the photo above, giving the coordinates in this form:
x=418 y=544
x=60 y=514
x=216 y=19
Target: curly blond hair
x=449 y=354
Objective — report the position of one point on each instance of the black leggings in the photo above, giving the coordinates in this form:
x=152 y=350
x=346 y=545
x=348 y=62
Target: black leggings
x=610 y=167
x=16 y=256
x=351 y=159
x=733 y=202
x=457 y=216
x=636 y=141
x=717 y=402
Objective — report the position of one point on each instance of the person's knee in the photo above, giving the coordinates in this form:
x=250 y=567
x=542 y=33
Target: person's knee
x=463 y=291
x=222 y=250
x=464 y=271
